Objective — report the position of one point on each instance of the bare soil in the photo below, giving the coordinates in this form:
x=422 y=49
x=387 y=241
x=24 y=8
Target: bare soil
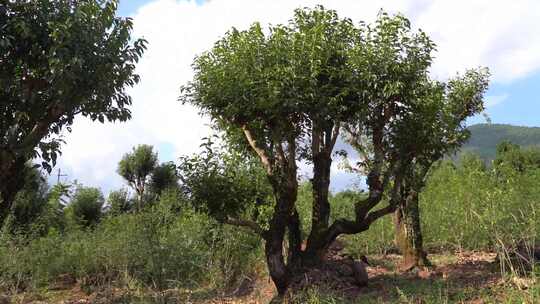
x=462 y=277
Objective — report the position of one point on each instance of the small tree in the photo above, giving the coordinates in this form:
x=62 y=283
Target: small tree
x=58 y=59
x=119 y=202
x=85 y=208
x=441 y=131
x=230 y=186
x=164 y=177
x=136 y=168
x=412 y=122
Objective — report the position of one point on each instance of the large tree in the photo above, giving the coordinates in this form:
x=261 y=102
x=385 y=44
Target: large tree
x=413 y=121
x=280 y=92
x=58 y=59
x=289 y=94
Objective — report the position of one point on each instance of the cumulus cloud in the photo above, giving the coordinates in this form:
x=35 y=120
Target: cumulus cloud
x=502 y=35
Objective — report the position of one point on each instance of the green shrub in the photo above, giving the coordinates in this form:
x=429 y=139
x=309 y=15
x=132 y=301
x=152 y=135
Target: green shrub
x=156 y=248
x=85 y=208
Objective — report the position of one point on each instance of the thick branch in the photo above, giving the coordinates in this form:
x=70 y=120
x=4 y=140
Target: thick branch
x=335 y=135
x=248 y=224
x=258 y=149
x=40 y=129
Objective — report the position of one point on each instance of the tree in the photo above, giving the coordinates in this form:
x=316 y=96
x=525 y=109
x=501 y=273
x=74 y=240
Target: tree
x=288 y=96
x=230 y=186
x=58 y=59
x=86 y=206
x=119 y=202
x=413 y=121
x=440 y=132
x=273 y=94
x=164 y=176
x=136 y=168
x=30 y=203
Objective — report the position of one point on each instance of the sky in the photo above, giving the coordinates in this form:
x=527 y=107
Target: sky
x=501 y=35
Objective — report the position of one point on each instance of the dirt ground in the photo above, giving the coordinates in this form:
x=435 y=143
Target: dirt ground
x=462 y=277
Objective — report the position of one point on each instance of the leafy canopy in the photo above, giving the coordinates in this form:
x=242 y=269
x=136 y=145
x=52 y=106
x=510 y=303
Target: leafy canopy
x=59 y=59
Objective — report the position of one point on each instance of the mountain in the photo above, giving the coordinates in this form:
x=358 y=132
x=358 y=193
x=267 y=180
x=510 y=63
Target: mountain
x=485 y=138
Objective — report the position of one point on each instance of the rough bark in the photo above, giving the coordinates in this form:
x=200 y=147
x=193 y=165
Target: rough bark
x=283 y=216
x=294 y=256
x=408 y=233
x=279 y=161
x=323 y=142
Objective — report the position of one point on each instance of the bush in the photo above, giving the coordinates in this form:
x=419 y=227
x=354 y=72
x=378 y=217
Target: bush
x=86 y=206
x=119 y=202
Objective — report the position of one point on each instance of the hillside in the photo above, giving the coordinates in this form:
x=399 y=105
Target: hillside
x=485 y=138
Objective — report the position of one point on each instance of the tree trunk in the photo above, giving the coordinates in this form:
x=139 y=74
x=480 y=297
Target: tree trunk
x=294 y=256
x=11 y=182
x=279 y=272
x=316 y=246
x=409 y=234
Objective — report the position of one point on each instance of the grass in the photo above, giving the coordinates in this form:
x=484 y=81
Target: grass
x=161 y=256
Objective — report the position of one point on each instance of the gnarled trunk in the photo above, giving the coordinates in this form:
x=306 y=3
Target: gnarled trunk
x=316 y=243
x=323 y=140
x=408 y=232
x=284 y=218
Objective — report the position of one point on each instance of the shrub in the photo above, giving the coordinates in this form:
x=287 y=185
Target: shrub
x=86 y=206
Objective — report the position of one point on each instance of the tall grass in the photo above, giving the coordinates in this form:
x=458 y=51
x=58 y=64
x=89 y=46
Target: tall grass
x=155 y=248
x=466 y=207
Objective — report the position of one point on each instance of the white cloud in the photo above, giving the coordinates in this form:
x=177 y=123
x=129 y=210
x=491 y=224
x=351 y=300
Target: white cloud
x=494 y=100
x=502 y=35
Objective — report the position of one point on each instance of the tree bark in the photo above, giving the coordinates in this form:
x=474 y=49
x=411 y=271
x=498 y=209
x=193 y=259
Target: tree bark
x=316 y=245
x=322 y=145
x=278 y=269
x=409 y=234
x=11 y=182
x=295 y=255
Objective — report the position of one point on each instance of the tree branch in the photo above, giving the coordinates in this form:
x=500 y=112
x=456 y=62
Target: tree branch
x=335 y=135
x=258 y=149
x=248 y=224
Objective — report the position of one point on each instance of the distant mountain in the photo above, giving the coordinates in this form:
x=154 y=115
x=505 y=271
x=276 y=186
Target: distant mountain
x=485 y=138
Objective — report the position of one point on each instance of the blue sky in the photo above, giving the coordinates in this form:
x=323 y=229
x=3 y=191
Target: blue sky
x=502 y=35
x=518 y=101
x=521 y=105
x=129 y=7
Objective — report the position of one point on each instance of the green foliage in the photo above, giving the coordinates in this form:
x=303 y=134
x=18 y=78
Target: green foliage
x=467 y=205
x=30 y=203
x=512 y=157
x=59 y=59
x=471 y=207
x=155 y=248
x=164 y=176
x=226 y=184
x=270 y=84
x=136 y=168
x=85 y=208
x=119 y=202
